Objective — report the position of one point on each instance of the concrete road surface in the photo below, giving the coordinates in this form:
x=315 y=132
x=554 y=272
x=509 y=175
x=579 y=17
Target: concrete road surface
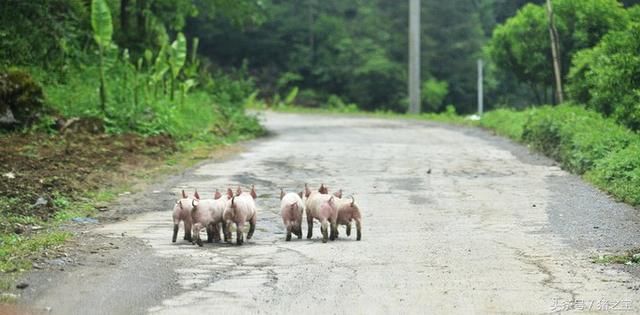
x=456 y=221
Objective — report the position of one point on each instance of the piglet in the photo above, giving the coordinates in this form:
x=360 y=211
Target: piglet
x=349 y=210
x=208 y=214
x=182 y=212
x=322 y=207
x=291 y=209
x=241 y=210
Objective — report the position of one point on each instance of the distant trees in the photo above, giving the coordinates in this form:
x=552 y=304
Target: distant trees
x=356 y=50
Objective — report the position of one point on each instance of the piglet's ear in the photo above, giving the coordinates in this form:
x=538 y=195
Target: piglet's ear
x=195 y=202
x=323 y=189
x=281 y=193
x=217 y=195
x=196 y=195
x=253 y=192
x=184 y=195
x=353 y=201
x=238 y=191
x=338 y=193
x=300 y=194
x=229 y=193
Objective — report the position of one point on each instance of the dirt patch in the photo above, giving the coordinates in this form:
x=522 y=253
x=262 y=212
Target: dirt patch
x=34 y=166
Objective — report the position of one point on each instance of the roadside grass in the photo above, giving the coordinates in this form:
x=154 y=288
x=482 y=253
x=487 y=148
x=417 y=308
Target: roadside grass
x=505 y=122
x=626 y=258
x=449 y=116
x=16 y=250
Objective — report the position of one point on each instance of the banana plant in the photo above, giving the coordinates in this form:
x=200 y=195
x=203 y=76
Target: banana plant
x=102 y=32
x=184 y=89
x=191 y=69
x=177 y=58
x=160 y=67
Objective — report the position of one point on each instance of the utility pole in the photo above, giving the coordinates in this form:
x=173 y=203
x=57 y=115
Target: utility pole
x=555 y=52
x=480 y=88
x=414 y=56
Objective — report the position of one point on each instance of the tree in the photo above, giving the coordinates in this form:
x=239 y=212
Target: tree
x=102 y=32
x=580 y=25
x=527 y=59
x=606 y=77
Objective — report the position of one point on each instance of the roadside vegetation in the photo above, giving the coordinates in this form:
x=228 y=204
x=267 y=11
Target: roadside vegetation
x=92 y=102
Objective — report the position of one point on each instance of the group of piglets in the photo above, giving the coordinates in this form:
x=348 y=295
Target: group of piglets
x=329 y=210
x=211 y=214
x=221 y=212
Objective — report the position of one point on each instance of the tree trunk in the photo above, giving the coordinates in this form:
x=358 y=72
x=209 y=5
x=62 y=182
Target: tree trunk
x=103 y=87
x=555 y=52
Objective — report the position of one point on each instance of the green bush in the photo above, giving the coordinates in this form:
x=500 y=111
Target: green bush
x=574 y=136
x=505 y=122
x=336 y=104
x=21 y=96
x=619 y=173
x=433 y=94
x=141 y=102
x=606 y=77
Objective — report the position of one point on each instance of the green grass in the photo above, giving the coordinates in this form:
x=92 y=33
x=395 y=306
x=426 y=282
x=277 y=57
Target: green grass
x=505 y=122
x=449 y=116
x=204 y=112
x=16 y=250
x=624 y=258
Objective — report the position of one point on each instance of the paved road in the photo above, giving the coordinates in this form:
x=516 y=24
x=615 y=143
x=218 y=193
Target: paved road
x=455 y=221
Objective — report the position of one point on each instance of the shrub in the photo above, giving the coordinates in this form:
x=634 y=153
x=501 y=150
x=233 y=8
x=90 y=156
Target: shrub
x=336 y=104
x=505 y=122
x=433 y=94
x=607 y=77
x=619 y=173
x=574 y=136
x=21 y=98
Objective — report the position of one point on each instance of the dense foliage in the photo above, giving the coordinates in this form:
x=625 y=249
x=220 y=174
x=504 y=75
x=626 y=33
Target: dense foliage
x=599 y=45
x=607 y=77
x=148 y=75
x=580 y=24
x=357 y=50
